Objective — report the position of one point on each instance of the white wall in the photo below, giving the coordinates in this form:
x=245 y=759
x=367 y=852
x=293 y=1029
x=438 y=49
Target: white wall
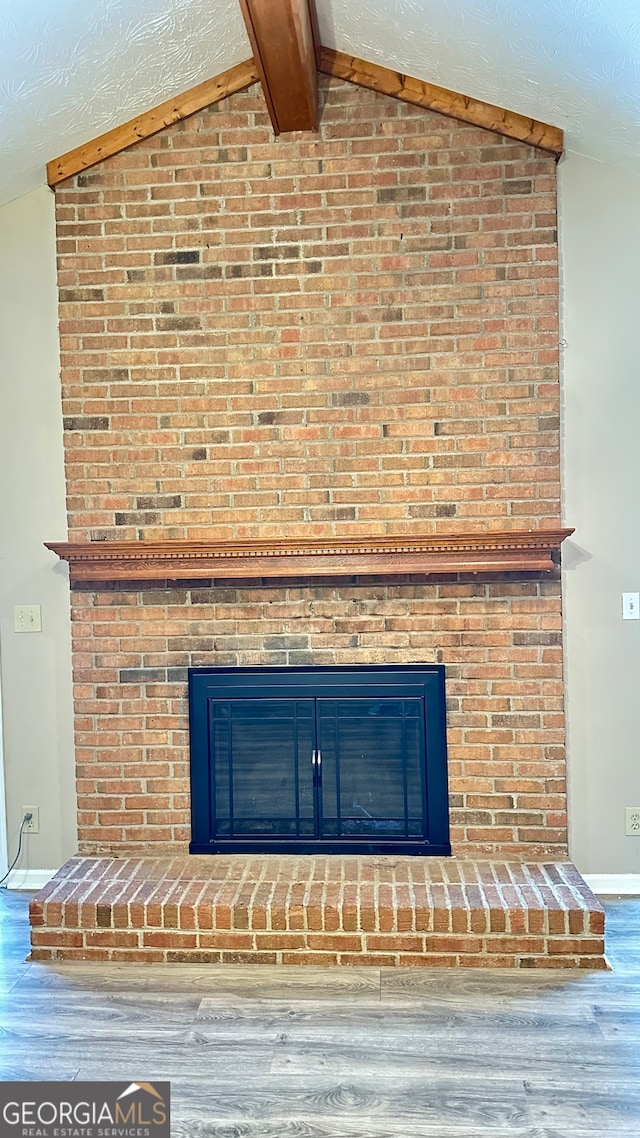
x=600 y=266
x=35 y=668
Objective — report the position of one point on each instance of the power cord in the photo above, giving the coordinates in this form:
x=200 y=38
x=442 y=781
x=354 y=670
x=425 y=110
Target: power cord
x=27 y=818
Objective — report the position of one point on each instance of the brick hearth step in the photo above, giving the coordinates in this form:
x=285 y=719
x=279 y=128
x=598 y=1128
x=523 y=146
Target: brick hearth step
x=322 y=910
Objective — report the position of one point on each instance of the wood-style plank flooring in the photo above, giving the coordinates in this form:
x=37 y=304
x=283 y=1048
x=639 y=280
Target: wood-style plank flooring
x=261 y=1052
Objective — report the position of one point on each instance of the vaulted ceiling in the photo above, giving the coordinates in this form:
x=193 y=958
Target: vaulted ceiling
x=71 y=69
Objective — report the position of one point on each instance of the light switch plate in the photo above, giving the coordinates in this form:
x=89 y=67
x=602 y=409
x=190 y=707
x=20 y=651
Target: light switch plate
x=631 y=606
x=27 y=618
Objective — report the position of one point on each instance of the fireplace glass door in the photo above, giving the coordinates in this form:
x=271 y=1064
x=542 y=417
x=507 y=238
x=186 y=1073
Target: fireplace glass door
x=371 y=765
x=263 y=778
x=318 y=759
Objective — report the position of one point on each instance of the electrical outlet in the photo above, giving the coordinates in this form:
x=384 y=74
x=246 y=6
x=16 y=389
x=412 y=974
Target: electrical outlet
x=32 y=826
x=632 y=821
x=27 y=618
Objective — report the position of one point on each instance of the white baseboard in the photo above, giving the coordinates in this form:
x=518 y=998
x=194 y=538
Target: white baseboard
x=614 y=884
x=32 y=879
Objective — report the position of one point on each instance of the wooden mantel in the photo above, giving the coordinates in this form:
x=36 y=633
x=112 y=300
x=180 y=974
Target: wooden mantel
x=492 y=552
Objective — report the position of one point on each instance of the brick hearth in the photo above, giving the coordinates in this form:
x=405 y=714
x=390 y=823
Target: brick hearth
x=377 y=911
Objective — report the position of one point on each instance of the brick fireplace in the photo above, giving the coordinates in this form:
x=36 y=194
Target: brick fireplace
x=352 y=334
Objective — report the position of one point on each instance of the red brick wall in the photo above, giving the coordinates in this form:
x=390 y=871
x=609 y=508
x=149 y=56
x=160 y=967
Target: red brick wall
x=354 y=333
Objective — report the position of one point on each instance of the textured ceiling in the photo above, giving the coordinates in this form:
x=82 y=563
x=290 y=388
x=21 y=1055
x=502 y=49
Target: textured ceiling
x=70 y=69
x=572 y=63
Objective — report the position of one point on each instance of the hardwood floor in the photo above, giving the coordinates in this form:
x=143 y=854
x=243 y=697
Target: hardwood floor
x=262 y=1052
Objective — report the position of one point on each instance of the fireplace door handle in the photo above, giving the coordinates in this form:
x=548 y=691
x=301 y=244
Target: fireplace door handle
x=316 y=762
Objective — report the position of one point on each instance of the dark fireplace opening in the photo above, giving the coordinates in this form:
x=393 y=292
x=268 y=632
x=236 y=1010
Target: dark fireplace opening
x=319 y=759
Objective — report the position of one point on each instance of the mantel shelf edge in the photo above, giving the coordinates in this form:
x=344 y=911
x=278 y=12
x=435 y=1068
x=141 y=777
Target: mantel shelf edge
x=506 y=551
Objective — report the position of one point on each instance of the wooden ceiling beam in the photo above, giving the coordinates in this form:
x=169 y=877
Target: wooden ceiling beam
x=284 y=39
x=427 y=95
x=150 y=122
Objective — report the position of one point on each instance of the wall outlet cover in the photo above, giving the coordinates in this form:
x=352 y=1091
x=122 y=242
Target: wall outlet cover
x=632 y=821
x=33 y=826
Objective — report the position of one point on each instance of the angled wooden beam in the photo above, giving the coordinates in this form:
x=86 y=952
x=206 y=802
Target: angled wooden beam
x=291 y=103
x=283 y=36
x=150 y=122
x=439 y=99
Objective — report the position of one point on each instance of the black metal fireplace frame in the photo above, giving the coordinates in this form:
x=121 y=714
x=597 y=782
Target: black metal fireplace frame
x=426 y=682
